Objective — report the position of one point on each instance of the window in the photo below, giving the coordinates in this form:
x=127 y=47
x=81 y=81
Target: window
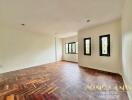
x=66 y=48
x=71 y=48
x=87 y=46
x=104 y=41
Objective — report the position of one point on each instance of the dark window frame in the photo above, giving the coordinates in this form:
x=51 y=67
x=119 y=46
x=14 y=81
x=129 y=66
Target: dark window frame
x=89 y=46
x=100 y=45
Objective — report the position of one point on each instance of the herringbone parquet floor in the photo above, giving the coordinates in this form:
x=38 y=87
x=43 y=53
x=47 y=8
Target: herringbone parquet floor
x=61 y=81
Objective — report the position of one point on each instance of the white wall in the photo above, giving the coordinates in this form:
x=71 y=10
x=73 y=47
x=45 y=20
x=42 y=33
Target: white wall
x=69 y=57
x=127 y=44
x=58 y=49
x=20 y=50
x=112 y=63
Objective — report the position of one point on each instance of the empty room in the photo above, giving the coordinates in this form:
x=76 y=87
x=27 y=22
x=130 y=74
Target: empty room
x=65 y=50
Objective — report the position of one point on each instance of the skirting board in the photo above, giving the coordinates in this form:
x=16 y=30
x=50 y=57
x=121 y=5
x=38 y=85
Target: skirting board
x=69 y=61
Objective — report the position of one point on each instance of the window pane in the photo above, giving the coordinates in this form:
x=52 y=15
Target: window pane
x=73 y=47
x=76 y=47
x=104 y=45
x=69 y=47
x=66 y=48
x=87 y=46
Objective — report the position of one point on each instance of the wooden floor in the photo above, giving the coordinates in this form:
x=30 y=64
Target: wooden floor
x=61 y=81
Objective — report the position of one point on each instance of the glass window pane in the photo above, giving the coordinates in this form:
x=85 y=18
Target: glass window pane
x=76 y=47
x=104 y=45
x=70 y=46
x=73 y=47
x=66 y=48
x=87 y=46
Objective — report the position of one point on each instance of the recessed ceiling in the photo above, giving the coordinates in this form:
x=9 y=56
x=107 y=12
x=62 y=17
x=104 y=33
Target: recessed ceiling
x=57 y=16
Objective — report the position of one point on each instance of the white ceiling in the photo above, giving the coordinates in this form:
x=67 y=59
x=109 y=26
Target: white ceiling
x=57 y=16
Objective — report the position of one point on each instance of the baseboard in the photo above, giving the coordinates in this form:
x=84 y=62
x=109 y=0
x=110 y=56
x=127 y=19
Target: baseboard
x=70 y=61
x=28 y=67
x=102 y=71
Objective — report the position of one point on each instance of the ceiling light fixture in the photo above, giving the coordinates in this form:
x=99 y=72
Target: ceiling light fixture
x=88 y=21
x=23 y=24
